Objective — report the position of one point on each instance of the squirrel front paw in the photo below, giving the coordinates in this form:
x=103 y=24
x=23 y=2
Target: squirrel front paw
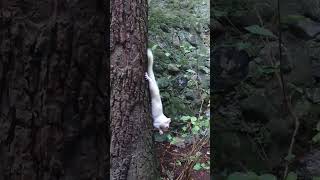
x=147 y=76
x=160 y=131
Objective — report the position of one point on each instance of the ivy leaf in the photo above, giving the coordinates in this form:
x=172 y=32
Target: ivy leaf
x=197 y=166
x=195 y=129
x=193 y=119
x=255 y=29
x=204 y=166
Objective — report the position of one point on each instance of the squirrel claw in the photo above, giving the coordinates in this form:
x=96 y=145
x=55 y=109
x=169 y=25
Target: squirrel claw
x=146 y=76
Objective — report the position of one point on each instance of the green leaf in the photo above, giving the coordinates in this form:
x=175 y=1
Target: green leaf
x=205 y=69
x=243 y=45
x=205 y=166
x=160 y=138
x=193 y=119
x=318 y=126
x=292 y=19
x=197 y=167
x=195 y=129
x=292 y=176
x=296 y=88
x=242 y=176
x=185 y=118
x=268 y=70
x=154 y=47
x=267 y=177
x=218 y=13
x=290 y=157
x=191 y=71
x=255 y=29
x=178 y=163
x=173 y=141
x=316 y=178
x=184 y=128
x=167 y=54
x=184 y=135
x=316 y=138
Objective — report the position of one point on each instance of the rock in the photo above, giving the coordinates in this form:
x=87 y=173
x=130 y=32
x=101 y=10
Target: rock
x=217 y=27
x=316 y=71
x=309 y=27
x=299 y=57
x=249 y=16
x=164 y=28
x=230 y=66
x=190 y=95
x=314 y=53
x=192 y=39
x=257 y=108
x=230 y=112
x=311 y=8
x=313 y=94
x=302 y=107
x=173 y=68
x=311 y=163
x=182 y=81
x=317 y=38
x=270 y=57
x=176 y=40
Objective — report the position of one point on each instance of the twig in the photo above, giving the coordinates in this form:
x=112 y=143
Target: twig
x=195 y=148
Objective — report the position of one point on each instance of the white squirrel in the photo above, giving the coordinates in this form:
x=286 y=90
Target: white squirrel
x=160 y=121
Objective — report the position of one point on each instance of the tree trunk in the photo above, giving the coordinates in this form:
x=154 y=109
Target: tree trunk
x=53 y=90
x=132 y=149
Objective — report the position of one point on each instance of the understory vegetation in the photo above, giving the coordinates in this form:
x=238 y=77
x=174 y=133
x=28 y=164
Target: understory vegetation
x=179 y=38
x=266 y=89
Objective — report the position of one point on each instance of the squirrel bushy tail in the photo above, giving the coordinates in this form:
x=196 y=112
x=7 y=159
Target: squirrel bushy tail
x=150 y=64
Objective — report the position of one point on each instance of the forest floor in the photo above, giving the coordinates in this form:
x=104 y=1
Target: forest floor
x=169 y=155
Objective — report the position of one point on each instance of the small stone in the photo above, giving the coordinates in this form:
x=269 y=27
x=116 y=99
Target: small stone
x=173 y=68
x=313 y=95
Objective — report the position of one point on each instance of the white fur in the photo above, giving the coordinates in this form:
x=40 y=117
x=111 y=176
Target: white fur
x=160 y=121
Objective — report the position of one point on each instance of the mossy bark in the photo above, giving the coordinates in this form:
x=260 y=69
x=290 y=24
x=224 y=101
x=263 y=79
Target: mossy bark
x=53 y=90
x=132 y=149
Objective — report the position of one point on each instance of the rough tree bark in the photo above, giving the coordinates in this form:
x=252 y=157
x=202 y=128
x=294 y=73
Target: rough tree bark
x=53 y=90
x=132 y=149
